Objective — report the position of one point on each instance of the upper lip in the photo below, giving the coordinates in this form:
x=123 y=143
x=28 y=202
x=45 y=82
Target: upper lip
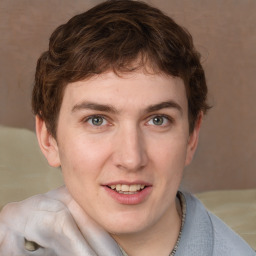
x=123 y=182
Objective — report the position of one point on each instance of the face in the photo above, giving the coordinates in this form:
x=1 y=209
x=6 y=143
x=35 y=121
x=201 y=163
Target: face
x=122 y=143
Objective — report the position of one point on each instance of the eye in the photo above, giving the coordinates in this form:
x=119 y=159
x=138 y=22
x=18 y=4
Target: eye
x=96 y=120
x=159 y=120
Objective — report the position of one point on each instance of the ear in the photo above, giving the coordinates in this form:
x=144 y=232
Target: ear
x=47 y=143
x=193 y=140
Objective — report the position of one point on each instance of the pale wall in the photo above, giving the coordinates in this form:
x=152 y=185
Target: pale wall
x=223 y=31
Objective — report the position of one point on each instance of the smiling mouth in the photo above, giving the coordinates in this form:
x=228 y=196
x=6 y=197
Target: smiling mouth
x=127 y=189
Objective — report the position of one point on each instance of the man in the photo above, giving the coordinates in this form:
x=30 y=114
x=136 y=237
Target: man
x=119 y=98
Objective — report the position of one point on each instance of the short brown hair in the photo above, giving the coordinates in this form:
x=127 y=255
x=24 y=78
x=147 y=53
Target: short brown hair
x=122 y=36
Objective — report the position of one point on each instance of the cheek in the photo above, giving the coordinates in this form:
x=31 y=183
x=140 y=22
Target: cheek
x=81 y=150
x=170 y=152
x=169 y=163
x=82 y=160
x=80 y=163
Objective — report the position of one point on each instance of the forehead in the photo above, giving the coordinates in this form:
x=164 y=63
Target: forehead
x=135 y=90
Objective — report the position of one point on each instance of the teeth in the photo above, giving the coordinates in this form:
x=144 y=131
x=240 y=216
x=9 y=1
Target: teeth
x=134 y=188
x=127 y=189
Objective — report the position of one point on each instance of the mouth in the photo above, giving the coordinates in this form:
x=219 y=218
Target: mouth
x=128 y=193
x=127 y=189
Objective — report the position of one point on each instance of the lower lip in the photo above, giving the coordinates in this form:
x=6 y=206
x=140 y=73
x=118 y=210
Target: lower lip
x=130 y=199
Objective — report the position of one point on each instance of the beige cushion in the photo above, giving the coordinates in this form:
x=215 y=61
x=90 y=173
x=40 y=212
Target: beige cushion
x=237 y=208
x=23 y=168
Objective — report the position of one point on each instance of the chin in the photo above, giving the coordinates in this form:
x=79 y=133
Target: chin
x=125 y=231
x=125 y=224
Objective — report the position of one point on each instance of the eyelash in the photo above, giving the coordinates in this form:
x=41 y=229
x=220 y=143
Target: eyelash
x=168 y=119
x=90 y=118
x=104 y=119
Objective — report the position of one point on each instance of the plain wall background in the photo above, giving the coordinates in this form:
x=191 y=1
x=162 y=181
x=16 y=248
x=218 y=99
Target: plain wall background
x=223 y=31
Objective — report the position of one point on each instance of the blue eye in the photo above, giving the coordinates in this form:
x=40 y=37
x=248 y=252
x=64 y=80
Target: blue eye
x=158 y=120
x=96 y=120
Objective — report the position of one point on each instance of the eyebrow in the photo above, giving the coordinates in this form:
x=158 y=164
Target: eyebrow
x=94 y=106
x=165 y=104
x=111 y=109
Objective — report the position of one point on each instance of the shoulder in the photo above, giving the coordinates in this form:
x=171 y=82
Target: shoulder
x=205 y=234
x=227 y=241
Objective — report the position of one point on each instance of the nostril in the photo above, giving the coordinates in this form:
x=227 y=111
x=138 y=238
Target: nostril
x=30 y=245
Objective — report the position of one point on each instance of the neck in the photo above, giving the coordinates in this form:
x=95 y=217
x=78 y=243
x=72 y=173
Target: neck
x=159 y=239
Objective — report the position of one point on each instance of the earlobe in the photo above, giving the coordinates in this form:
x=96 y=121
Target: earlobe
x=193 y=140
x=47 y=143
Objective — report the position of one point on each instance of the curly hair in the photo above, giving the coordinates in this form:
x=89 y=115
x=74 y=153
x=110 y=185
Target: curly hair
x=121 y=36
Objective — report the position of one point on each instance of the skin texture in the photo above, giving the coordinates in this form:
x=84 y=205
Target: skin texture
x=121 y=142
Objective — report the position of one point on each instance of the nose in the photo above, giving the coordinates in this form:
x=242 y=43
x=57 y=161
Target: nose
x=130 y=149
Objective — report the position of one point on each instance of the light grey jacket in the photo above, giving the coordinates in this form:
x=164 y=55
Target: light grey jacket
x=204 y=234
